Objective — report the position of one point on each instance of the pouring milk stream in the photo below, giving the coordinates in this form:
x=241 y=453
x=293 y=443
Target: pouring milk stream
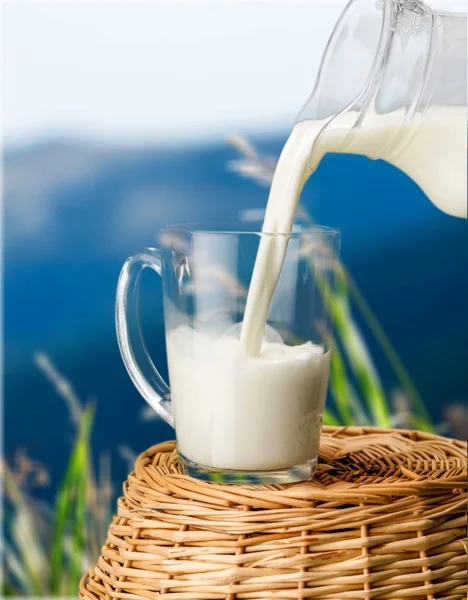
x=435 y=158
x=392 y=85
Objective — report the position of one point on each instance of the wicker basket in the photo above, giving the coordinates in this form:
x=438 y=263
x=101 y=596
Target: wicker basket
x=385 y=517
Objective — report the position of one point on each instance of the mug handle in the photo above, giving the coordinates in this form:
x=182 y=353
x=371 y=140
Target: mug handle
x=137 y=360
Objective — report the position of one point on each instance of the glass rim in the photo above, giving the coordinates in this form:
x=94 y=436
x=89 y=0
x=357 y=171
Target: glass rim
x=205 y=229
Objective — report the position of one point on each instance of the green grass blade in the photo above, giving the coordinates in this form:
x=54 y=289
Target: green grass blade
x=339 y=387
x=71 y=506
x=57 y=552
x=358 y=355
x=356 y=351
x=9 y=590
x=330 y=419
x=379 y=403
x=391 y=355
x=346 y=400
x=366 y=376
x=78 y=542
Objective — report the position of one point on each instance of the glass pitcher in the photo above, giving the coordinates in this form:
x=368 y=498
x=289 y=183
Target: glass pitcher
x=393 y=80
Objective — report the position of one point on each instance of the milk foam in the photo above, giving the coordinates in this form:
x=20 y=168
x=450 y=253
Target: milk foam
x=234 y=411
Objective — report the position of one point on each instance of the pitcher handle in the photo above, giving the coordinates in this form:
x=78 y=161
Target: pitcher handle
x=137 y=360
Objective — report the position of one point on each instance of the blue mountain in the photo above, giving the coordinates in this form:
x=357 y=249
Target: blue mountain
x=75 y=211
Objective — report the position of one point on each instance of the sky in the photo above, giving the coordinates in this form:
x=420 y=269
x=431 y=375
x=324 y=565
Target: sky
x=160 y=70
x=149 y=70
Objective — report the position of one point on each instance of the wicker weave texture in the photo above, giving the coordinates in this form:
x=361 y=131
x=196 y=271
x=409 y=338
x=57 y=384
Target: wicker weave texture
x=385 y=518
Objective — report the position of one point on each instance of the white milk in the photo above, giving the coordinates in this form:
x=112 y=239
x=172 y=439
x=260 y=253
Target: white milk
x=433 y=154
x=234 y=411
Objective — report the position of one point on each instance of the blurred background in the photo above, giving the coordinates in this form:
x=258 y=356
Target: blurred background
x=123 y=117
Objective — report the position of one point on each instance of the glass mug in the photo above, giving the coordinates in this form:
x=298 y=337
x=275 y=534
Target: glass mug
x=237 y=418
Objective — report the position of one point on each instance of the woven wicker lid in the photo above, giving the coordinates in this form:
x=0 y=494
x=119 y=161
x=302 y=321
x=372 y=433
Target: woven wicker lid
x=384 y=517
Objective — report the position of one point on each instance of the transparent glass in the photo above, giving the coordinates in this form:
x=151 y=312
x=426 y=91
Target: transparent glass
x=236 y=417
x=397 y=60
